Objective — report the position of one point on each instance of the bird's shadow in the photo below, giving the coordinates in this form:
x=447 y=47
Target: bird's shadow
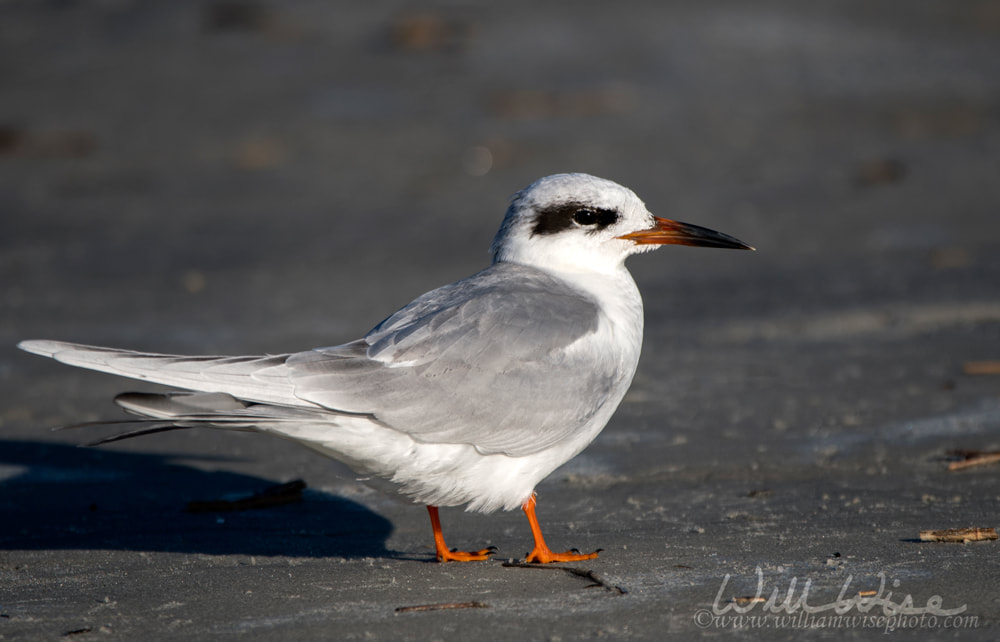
x=59 y=497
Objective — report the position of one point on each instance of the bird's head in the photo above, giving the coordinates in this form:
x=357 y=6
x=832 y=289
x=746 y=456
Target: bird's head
x=579 y=222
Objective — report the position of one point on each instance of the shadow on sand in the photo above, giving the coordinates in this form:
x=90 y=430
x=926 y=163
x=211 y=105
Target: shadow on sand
x=54 y=496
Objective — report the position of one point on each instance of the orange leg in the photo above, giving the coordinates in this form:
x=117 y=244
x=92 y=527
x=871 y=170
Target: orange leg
x=542 y=554
x=445 y=555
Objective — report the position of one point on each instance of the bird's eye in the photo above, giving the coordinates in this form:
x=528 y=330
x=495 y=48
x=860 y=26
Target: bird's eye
x=564 y=216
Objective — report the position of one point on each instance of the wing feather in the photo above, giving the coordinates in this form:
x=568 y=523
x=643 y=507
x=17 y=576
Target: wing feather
x=488 y=361
x=261 y=379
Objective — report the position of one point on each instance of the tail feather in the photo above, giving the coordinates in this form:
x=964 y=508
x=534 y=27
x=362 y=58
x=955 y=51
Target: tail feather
x=156 y=413
x=148 y=429
x=217 y=409
x=252 y=394
x=172 y=406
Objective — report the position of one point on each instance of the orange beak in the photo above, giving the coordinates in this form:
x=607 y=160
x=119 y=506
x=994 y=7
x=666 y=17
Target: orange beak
x=667 y=232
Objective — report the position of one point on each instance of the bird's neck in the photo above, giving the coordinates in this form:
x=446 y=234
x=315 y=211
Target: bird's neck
x=614 y=291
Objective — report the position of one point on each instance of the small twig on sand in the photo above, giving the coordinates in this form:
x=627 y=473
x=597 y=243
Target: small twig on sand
x=973 y=458
x=441 y=607
x=961 y=535
x=981 y=367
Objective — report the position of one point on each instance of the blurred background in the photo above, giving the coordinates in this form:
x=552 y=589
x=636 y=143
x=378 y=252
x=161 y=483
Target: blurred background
x=161 y=158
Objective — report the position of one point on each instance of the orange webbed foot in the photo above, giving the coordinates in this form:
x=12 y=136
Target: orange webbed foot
x=546 y=556
x=444 y=554
x=466 y=556
x=542 y=554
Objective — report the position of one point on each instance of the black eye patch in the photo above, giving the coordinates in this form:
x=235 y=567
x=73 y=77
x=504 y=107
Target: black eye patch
x=556 y=218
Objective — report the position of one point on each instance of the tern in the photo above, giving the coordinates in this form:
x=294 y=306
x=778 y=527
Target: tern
x=470 y=395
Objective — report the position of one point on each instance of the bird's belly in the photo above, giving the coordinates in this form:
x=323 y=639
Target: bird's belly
x=435 y=473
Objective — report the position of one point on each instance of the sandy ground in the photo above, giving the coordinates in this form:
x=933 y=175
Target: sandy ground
x=237 y=177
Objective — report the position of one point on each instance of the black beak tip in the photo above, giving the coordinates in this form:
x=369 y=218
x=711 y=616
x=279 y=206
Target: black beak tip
x=733 y=243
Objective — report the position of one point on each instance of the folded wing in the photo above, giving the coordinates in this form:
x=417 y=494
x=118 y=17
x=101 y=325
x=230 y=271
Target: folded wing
x=492 y=361
x=497 y=361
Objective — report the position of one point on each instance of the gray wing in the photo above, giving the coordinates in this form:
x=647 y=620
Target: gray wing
x=262 y=379
x=483 y=361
